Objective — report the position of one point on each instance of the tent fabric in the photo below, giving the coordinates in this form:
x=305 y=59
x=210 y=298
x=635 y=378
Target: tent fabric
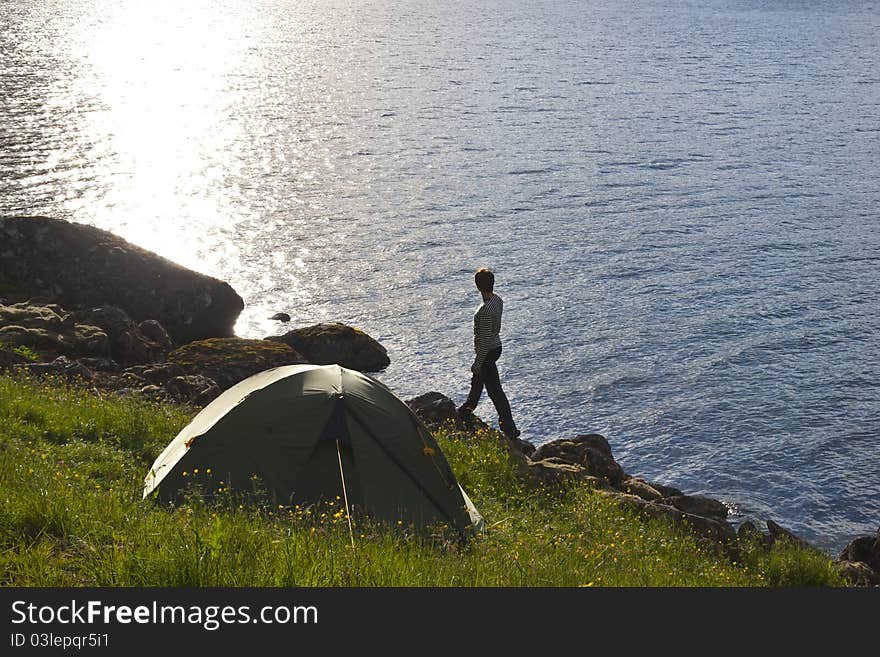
x=288 y=427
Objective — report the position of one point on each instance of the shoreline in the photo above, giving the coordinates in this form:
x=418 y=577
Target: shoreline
x=120 y=349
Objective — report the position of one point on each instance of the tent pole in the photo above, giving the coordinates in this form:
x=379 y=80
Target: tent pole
x=345 y=494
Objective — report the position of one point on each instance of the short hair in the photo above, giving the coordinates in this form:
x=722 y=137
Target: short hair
x=485 y=280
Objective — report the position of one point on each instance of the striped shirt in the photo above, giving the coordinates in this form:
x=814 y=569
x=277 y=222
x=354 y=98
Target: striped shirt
x=487 y=328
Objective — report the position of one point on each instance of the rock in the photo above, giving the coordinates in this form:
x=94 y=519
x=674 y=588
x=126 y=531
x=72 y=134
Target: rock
x=326 y=344
x=230 y=360
x=280 y=317
x=639 y=488
x=100 y=364
x=698 y=505
x=473 y=423
x=748 y=532
x=592 y=451
x=777 y=532
x=666 y=491
x=79 y=266
x=434 y=409
x=627 y=501
x=153 y=391
x=521 y=445
x=552 y=472
x=717 y=532
x=10 y=358
x=132 y=379
x=197 y=389
x=62 y=365
x=128 y=343
x=50 y=331
x=28 y=315
x=857 y=573
x=864 y=549
x=156 y=333
x=161 y=374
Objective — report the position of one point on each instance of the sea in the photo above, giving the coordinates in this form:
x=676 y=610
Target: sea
x=680 y=200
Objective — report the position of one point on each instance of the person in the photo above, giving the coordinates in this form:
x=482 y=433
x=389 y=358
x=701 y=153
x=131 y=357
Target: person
x=487 y=347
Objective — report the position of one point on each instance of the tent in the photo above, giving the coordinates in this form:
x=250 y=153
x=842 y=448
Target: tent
x=309 y=433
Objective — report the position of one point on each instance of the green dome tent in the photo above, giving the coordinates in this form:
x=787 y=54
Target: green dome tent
x=312 y=432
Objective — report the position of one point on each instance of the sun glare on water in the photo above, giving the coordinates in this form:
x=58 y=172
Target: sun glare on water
x=161 y=88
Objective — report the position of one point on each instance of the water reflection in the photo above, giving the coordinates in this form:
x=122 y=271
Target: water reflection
x=162 y=89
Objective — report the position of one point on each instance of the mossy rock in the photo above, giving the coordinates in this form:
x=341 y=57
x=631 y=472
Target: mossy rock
x=50 y=331
x=10 y=358
x=10 y=293
x=337 y=344
x=230 y=360
x=80 y=266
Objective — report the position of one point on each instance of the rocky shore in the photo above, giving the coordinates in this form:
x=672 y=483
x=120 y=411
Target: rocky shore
x=79 y=302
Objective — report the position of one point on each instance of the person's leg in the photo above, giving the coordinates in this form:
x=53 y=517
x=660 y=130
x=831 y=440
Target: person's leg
x=492 y=381
x=474 y=395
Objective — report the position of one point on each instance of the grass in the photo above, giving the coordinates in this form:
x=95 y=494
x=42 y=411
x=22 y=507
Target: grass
x=71 y=472
x=21 y=350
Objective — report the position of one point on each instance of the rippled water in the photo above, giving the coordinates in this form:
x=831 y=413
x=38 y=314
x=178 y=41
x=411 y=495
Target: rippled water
x=680 y=200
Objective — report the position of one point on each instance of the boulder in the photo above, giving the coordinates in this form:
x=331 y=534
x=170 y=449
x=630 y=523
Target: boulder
x=718 y=531
x=715 y=531
x=591 y=451
x=9 y=358
x=520 y=445
x=50 y=331
x=280 y=317
x=128 y=343
x=434 y=409
x=698 y=505
x=326 y=344
x=80 y=266
x=62 y=366
x=857 y=573
x=665 y=491
x=196 y=389
x=639 y=488
x=230 y=360
x=748 y=532
x=777 y=532
x=100 y=364
x=154 y=392
x=552 y=472
x=864 y=549
x=158 y=374
x=155 y=332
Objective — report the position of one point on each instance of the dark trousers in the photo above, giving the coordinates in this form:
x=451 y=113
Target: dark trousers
x=489 y=378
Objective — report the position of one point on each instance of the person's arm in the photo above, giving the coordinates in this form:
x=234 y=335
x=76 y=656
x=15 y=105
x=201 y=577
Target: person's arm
x=482 y=337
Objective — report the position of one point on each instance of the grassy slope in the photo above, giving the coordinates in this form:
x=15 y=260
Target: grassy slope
x=71 y=514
